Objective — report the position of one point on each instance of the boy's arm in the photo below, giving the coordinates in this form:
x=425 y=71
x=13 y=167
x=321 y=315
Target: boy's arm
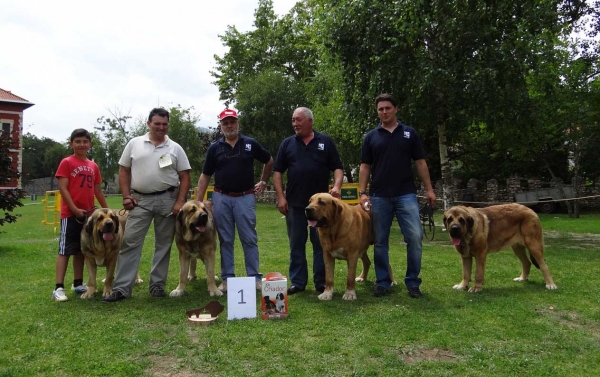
x=100 y=195
x=63 y=187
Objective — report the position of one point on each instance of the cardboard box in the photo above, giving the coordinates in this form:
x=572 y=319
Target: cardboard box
x=274 y=300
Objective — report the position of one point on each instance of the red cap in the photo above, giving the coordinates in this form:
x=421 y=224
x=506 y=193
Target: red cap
x=228 y=113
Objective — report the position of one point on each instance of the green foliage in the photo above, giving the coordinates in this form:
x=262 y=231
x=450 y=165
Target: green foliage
x=41 y=157
x=9 y=199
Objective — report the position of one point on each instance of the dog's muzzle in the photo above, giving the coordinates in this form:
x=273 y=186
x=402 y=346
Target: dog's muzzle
x=455 y=231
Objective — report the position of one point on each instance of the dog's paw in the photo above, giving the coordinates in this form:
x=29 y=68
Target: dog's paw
x=325 y=296
x=460 y=287
x=551 y=286
x=176 y=293
x=520 y=279
x=475 y=289
x=349 y=295
x=192 y=278
x=215 y=292
x=89 y=294
x=394 y=282
x=359 y=279
x=139 y=281
x=107 y=292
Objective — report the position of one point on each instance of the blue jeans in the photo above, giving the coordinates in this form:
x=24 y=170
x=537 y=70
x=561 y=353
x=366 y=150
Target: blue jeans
x=406 y=210
x=298 y=234
x=240 y=212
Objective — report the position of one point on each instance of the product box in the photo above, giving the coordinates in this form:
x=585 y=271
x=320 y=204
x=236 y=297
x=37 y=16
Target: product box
x=274 y=296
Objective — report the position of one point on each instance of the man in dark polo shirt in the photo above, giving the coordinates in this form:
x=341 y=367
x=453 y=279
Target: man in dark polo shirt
x=308 y=157
x=386 y=157
x=231 y=160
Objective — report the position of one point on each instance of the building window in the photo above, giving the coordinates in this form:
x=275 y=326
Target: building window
x=5 y=127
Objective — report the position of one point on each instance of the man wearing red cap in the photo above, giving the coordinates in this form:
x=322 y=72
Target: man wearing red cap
x=231 y=160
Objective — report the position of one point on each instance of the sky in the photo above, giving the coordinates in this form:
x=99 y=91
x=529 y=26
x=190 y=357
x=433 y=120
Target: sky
x=76 y=60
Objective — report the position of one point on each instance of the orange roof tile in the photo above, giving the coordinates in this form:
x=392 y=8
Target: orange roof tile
x=6 y=95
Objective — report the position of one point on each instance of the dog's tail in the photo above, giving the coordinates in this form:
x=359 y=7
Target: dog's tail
x=535 y=263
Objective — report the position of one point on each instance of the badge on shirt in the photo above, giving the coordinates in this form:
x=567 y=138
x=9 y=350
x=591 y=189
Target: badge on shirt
x=248 y=147
x=165 y=160
x=407 y=134
x=321 y=146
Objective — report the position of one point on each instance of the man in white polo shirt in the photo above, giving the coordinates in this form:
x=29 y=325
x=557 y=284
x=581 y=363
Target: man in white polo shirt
x=154 y=178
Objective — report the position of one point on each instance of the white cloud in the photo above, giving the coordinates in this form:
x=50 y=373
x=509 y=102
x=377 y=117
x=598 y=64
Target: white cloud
x=76 y=59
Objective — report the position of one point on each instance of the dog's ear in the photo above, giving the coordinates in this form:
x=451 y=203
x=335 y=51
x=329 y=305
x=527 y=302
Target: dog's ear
x=115 y=219
x=180 y=217
x=89 y=224
x=444 y=221
x=207 y=205
x=470 y=222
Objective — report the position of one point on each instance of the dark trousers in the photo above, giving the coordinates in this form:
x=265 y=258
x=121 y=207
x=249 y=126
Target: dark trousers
x=297 y=228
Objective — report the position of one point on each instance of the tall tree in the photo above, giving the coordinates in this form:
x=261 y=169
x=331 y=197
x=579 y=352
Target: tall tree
x=41 y=156
x=9 y=199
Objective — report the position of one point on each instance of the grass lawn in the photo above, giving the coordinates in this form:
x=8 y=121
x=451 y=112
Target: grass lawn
x=509 y=329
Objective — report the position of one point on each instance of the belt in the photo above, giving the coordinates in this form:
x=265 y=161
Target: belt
x=233 y=194
x=170 y=189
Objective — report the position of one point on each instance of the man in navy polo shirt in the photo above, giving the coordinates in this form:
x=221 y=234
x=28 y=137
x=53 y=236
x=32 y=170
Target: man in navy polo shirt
x=308 y=157
x=386 y=156
x=231 y=160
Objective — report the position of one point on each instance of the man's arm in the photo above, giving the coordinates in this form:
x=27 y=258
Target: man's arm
x=203 y=182
x=363 y=179
x=125 y=185
x=423 y=173
x=282 y=204
x=338 y=179
x=266 y=173
x=184 y=188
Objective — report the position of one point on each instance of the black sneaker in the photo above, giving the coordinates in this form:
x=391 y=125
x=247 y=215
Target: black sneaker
x=157 y=291
x=414 y=292
x=380 y=291
x=114 y=297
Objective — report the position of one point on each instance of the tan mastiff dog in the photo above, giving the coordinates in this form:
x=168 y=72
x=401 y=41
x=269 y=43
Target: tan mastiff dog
x=101 y=239
x=345 y=233
x=196 y=237
x=475 y=232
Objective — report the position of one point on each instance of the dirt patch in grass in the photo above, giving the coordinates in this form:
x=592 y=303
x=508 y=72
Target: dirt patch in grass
x=574 y=236
x=411 y=355
x=573 y=320
x=169 y=366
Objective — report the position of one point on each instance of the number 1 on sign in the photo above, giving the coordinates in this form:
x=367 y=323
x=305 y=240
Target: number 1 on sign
x=241 y=301
x=241 y=292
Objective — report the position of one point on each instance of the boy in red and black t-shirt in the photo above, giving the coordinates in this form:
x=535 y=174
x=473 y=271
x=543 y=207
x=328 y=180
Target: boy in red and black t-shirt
x=78 y=181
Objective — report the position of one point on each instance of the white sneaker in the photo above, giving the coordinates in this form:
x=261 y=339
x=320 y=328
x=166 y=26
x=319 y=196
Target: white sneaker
x=259 y=285
x=80 y=288
x=223 y=286
x=59 y=295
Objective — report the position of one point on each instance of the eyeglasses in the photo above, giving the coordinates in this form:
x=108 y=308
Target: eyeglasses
x=235 y=151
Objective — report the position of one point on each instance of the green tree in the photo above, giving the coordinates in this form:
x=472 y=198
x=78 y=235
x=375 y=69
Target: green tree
x=41 y=157
x=9 y=199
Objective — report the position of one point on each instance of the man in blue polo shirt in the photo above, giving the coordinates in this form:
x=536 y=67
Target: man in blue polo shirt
x=386 y=156
x=308 y=157
x=231 y=160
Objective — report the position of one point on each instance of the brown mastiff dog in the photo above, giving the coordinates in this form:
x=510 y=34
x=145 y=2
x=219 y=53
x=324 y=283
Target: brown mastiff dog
x=475 y=232
x=345 y=233
x=101 y=239
x=196 y=237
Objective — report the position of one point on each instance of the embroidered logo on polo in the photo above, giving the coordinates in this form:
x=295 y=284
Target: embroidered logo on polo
x=321 y=146
x=407 y=134
x=248 y=147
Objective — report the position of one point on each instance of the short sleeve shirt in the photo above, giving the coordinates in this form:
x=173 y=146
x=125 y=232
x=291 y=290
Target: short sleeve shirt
x=308 y=167
x=143 y=157
x=233 y=167
x=390 y=155
x=83 y=175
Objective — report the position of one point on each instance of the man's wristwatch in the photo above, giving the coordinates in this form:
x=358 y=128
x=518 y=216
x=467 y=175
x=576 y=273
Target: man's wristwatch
x=361 y=193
